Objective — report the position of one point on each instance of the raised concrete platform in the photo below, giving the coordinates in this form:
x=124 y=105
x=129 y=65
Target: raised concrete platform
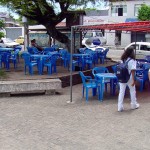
x=21 y=86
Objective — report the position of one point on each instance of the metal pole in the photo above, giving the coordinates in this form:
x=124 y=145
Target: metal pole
x=72 y=46
x=135 y=43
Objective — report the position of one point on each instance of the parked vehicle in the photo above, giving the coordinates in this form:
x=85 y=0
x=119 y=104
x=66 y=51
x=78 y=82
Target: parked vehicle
x=142 y=48
x=94 y=38
x=7 y=42
x=19 y=40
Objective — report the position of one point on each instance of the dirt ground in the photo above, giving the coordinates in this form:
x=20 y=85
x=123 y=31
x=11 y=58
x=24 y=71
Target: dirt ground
x=18 y=74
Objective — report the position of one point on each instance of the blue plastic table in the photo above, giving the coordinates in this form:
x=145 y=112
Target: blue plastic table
x=101 y=78
x=3 y=49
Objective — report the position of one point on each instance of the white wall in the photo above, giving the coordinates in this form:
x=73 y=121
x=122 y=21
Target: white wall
x=110 y=36
x=125 y=38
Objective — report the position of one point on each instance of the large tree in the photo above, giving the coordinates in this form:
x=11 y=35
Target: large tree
x=144 y=13
x=48 y=12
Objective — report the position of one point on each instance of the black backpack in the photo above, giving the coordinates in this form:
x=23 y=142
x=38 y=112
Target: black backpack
x=122 y=72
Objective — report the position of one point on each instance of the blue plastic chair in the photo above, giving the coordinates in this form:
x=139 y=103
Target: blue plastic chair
x=142 y=76
x=5 y=59
x=74 y=62
x=102 y=55
x=0 y=61
x=89 y=83
x=50 y=63
x=63 y=55
x=14 y=58
x=28 y=63
x=90 y=60
x=116 y=83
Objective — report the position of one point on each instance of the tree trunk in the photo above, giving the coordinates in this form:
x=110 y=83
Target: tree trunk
x=54 y=33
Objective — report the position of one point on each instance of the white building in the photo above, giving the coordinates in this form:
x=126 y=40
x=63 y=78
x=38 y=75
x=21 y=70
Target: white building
x=119 y=12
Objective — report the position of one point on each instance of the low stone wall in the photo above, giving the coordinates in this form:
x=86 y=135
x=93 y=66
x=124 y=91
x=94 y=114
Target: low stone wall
x=47 y=85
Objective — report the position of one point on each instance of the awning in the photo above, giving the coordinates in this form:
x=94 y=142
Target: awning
x=139 y=26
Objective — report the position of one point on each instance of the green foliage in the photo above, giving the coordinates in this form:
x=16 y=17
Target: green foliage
x=55 y=9
x=1 y=35
x=3 y=74
x=2 y=25
x=144 y=13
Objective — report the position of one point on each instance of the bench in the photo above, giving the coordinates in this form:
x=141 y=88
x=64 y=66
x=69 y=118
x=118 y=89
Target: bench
x=22 y=86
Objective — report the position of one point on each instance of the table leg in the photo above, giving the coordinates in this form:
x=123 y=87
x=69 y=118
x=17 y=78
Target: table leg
x=40 y=66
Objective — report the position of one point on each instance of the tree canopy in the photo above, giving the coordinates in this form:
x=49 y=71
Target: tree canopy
x=48 y=12
x=144 y=13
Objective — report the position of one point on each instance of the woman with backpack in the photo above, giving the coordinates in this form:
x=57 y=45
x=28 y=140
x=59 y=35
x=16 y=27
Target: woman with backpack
x=128 y=57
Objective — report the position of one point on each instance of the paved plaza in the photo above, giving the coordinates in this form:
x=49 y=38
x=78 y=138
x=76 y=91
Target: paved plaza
x=42 y=122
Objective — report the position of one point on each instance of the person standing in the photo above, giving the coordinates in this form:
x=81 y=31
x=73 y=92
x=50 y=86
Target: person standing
x=128 y=55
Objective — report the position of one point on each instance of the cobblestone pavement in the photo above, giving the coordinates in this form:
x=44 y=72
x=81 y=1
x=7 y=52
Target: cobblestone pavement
x=42 y=122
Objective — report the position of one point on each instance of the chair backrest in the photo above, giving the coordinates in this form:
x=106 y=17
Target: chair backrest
x=99 y=70
x=114 y=68
x=5 y=56
x=147 y=58
x=53 y=58
x=87 y=51
x=35 y=50
x=141 y=60
x=56 y=47
x=29 y=49
x=105 y=52
x=81 y=50
x=27 y=59
x=142 y=75
x=62 y=51
x=49 y=49
x=99 y=49
x=82 y=77
x=18 y=48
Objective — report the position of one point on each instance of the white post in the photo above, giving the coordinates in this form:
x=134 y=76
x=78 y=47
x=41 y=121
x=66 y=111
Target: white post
x=24 y=20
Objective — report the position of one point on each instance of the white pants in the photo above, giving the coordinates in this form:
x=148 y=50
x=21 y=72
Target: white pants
x=122 y=93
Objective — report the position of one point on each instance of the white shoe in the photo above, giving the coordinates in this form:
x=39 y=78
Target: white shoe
x=135 y=106
x=120 y=109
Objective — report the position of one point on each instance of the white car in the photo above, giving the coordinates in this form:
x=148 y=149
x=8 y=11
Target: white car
x=142 y=48
x=7 y=42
